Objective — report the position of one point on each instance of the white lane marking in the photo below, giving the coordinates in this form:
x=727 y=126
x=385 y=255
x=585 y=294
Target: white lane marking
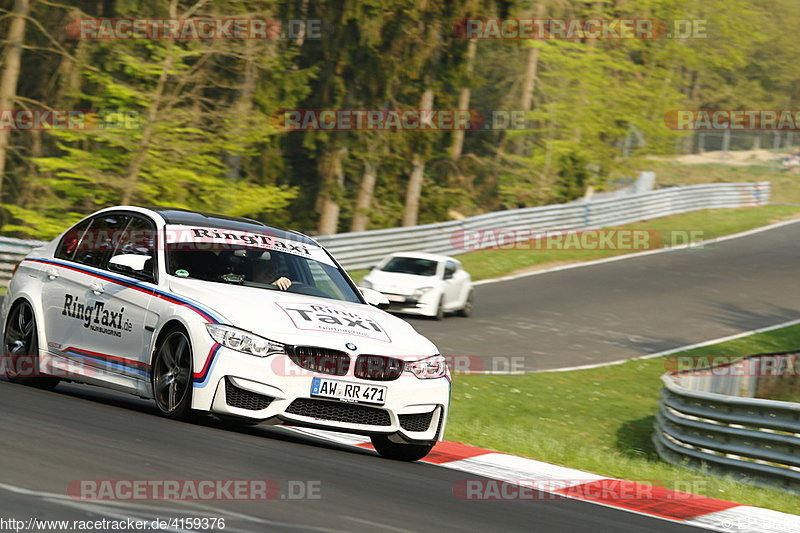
x=640 y=254
x=698 y=244
x=550 y=479
x=255 y=519
x=747 y=519
x=529 y=472
x=101 y=510
x=381 y=527
x=546 y=478
x=678 y=349
x=100 y=507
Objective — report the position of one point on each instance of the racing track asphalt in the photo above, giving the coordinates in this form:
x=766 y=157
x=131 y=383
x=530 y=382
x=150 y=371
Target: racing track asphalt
x=49 y=439
x=602 y=312
x=628 y=308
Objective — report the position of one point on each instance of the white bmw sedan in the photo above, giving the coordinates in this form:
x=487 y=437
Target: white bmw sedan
x=225 y=315
x=422 y=284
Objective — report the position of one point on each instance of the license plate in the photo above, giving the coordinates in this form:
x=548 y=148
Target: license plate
x=395 y=298
x=347 y=391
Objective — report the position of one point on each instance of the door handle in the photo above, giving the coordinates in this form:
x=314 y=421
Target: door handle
x=97 y=288
x=52 y=273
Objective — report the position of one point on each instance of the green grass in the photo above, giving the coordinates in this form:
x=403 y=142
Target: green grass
x=494 y=263
x=599 y=420
x=785 y=186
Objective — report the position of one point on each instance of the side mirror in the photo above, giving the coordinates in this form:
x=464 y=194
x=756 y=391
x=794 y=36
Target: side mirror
x=129 y=263
x=373 y=297
x=448 y=274
x=372 y=268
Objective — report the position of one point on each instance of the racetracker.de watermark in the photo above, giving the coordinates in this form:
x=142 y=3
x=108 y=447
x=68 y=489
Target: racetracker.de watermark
x=67 y=119
x=44 y=365
x=765 y=366
x=576 y=29
x=400 y=120
x=561 y=489
x=184 y=29
x=572 y=240
x=193 y=489
x=303 y=366
x=183 y=523
x=733 y=119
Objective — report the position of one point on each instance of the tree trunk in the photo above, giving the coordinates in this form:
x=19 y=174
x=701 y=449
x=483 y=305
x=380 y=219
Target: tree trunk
x=694 y=99
x=244 y=105
x=529 y=81
x=135 y=166
x=531 y=68
x=8 y=83
x=301 y=37
x=414 y=189
x=364 y=198
x=463 y=100
x=331 y=183
x=69 y=91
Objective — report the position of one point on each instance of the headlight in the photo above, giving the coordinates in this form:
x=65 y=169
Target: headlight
x=429 y=368
x=243 y=341
x=366 y=284
x=422 y=290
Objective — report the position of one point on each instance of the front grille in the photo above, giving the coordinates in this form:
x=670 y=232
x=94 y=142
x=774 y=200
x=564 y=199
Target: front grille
x=378 y=367
x=245 y=399
x=321 y=360
x=416 y=422
x=339 y=412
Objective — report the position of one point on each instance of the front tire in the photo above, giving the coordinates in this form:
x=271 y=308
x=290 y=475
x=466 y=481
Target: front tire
x=439 y=310
x=399 y=452
x=21 y=346
x=172 y=375
x=469 y=305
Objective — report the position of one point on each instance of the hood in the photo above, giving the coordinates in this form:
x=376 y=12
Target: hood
x=306 y=320
x=399 y=283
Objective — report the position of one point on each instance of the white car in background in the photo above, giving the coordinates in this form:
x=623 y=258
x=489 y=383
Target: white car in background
x=422 y=284
x=224 y=315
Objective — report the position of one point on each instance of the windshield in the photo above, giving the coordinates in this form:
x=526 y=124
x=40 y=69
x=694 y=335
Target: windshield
x=411 y=265
x=258 y=268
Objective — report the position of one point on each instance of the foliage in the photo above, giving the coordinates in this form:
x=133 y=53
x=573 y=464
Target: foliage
x=197 y=123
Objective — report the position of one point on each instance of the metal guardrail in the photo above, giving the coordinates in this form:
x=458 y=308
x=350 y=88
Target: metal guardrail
x=705 y=423
x=11 y=252
x=364 y=249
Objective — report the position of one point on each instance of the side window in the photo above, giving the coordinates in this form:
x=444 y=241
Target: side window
x=69 y=242
x=449 y=269
x=98 y=243
x=138 y=238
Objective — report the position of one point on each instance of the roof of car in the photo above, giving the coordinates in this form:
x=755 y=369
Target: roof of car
x=425 y=255
x=173 y=215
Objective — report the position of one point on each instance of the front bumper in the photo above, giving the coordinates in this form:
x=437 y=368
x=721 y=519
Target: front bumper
x=410 y=305
x=276 y=390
